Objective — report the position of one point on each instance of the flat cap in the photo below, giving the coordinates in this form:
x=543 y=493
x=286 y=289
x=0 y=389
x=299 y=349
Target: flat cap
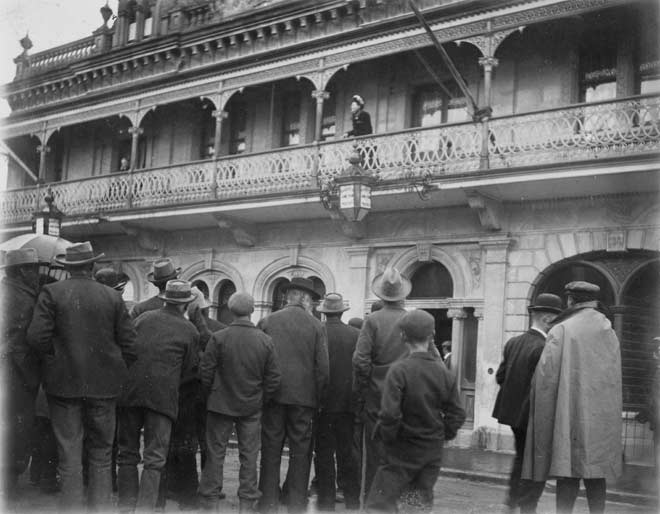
x=241 y=304
x=417 y=325
x=582 y=287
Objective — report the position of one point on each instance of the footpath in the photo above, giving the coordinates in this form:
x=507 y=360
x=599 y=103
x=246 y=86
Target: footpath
x=637 y=484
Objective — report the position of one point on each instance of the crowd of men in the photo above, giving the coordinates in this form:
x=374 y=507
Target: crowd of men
x=156 y=384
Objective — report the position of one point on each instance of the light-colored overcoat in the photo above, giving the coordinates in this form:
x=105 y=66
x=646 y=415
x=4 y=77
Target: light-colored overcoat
x=574 y=427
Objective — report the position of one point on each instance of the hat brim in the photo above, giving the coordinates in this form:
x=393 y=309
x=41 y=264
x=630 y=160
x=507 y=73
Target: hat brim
x=150 y=277
x=546 y=309
x=314 y=294
x=61 y=259
x=377 y=288
x=331 y=311
x=177 y=300
x=38 y=263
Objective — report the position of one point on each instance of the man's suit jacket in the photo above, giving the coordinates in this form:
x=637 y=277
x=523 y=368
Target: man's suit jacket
x=84 y=329
x=341 y=345
x=301 y=351
x=521 y=355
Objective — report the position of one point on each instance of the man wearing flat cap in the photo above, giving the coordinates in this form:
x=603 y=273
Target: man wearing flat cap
x=514 y=376
x=86 y=336
x=301 y=351
x=420 y=410
x=18 y=296
x=241 y=373
x=574 y=428
x=150 y=397
x=378 y=346
x=335 y=423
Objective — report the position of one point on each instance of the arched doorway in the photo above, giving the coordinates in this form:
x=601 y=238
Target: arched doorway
x=433 y=291
x=227 y=288
x=630 y=289
x=279 y=296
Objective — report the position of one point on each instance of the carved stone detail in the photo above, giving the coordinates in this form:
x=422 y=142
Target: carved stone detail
x=487 y=208
x=245 y=234
x=148 y=240
x=424 y=252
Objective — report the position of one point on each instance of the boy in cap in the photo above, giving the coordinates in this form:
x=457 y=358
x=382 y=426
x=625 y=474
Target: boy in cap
x=420 y=410
x=241 y=373
x=150 y=397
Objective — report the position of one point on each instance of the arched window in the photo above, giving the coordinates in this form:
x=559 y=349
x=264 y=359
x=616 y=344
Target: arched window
x=226 y=290
x=432 y=280
x=201 y=285
x=279 y=296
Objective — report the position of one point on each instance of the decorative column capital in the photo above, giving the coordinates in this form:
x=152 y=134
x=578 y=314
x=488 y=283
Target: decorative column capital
x=488 y=62
x=43 y=149
x=220 y=115
x=456 y=313
x=320 y=95
x=135 y=131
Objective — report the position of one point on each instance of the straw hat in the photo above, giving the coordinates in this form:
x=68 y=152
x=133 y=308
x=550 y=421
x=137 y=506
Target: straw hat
x=333 y=302
x=78 y=254
x=177 y=291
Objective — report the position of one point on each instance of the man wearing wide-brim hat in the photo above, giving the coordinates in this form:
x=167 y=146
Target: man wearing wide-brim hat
x=166 y=343
x=514 y=375
x=378 y=346
x=88 y=340
x=574 y=427
x=334 y=433
x=302 y=353
x=162 y=271
x=18 y=296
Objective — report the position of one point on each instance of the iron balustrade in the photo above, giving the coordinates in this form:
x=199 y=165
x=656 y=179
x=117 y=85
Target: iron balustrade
x=569 y=134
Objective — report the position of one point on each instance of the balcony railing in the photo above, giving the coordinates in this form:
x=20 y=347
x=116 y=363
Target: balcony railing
x=571 y=134
x=60 y=55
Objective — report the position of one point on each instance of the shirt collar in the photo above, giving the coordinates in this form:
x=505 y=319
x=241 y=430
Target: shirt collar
x=545 y=336
x=242 y=323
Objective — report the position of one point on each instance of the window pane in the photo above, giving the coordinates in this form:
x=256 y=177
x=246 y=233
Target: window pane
x=132 y=29
x=148 y=26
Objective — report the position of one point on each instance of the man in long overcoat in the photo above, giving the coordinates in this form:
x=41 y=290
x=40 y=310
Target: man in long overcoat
x=514 y=375
x=334 y=433
x=574 y=429
x=18 y=296
x=301 y=351
x=88 y=340
x=378 y=346
x=150 y=397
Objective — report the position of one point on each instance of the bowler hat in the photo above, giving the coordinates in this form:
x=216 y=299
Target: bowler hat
x=582 y=288
x=78 y=254
x=304 y=284
x=20 y=257
x=356 y=323
x=163 y=270
x=333 y=302
x=109 y=277
x=177 y=291
x=241 y=304
x=391 y=286
x=417 y=325
x=546 y=302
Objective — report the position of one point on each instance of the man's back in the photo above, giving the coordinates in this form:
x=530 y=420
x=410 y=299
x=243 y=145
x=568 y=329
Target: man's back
x=91 y=336
x=302 y=355
x=520 y=357
x=150 y=304
x=165 y=342
x=420 y=405
x=341 y=345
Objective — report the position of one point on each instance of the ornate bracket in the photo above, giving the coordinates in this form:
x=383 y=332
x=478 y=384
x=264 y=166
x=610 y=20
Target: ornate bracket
x=488 y=43
x=245 y=234
x=488 y=209
x=149 y=240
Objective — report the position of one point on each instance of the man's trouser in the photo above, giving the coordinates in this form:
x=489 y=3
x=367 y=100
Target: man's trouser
x=141 y=493
x=405 y=467
x=334 y=435
x=218 y=430
x=523 y=493
x=567 y=492
x=293 y=423
x=72 y=420
x=372 y=456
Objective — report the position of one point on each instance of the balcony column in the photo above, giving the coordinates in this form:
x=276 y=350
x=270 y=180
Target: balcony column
x=135 y=133
x=43 y=152
x=219 y=116
x=320 y=96
x=139 y=21
x=487 y=63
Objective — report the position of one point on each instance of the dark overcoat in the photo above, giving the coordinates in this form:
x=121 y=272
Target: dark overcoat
x=361 y=123
x=150 y=304
x=301 y=350
x=165 y=345
x=341 y=345
x=379 y=345
x=84 y=329
x=239 y=369
x=514 y=375
x=421 y=406
x=574 y=427
x=17 y=301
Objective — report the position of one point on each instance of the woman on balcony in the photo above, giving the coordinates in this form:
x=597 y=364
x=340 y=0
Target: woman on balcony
x=360 y=118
